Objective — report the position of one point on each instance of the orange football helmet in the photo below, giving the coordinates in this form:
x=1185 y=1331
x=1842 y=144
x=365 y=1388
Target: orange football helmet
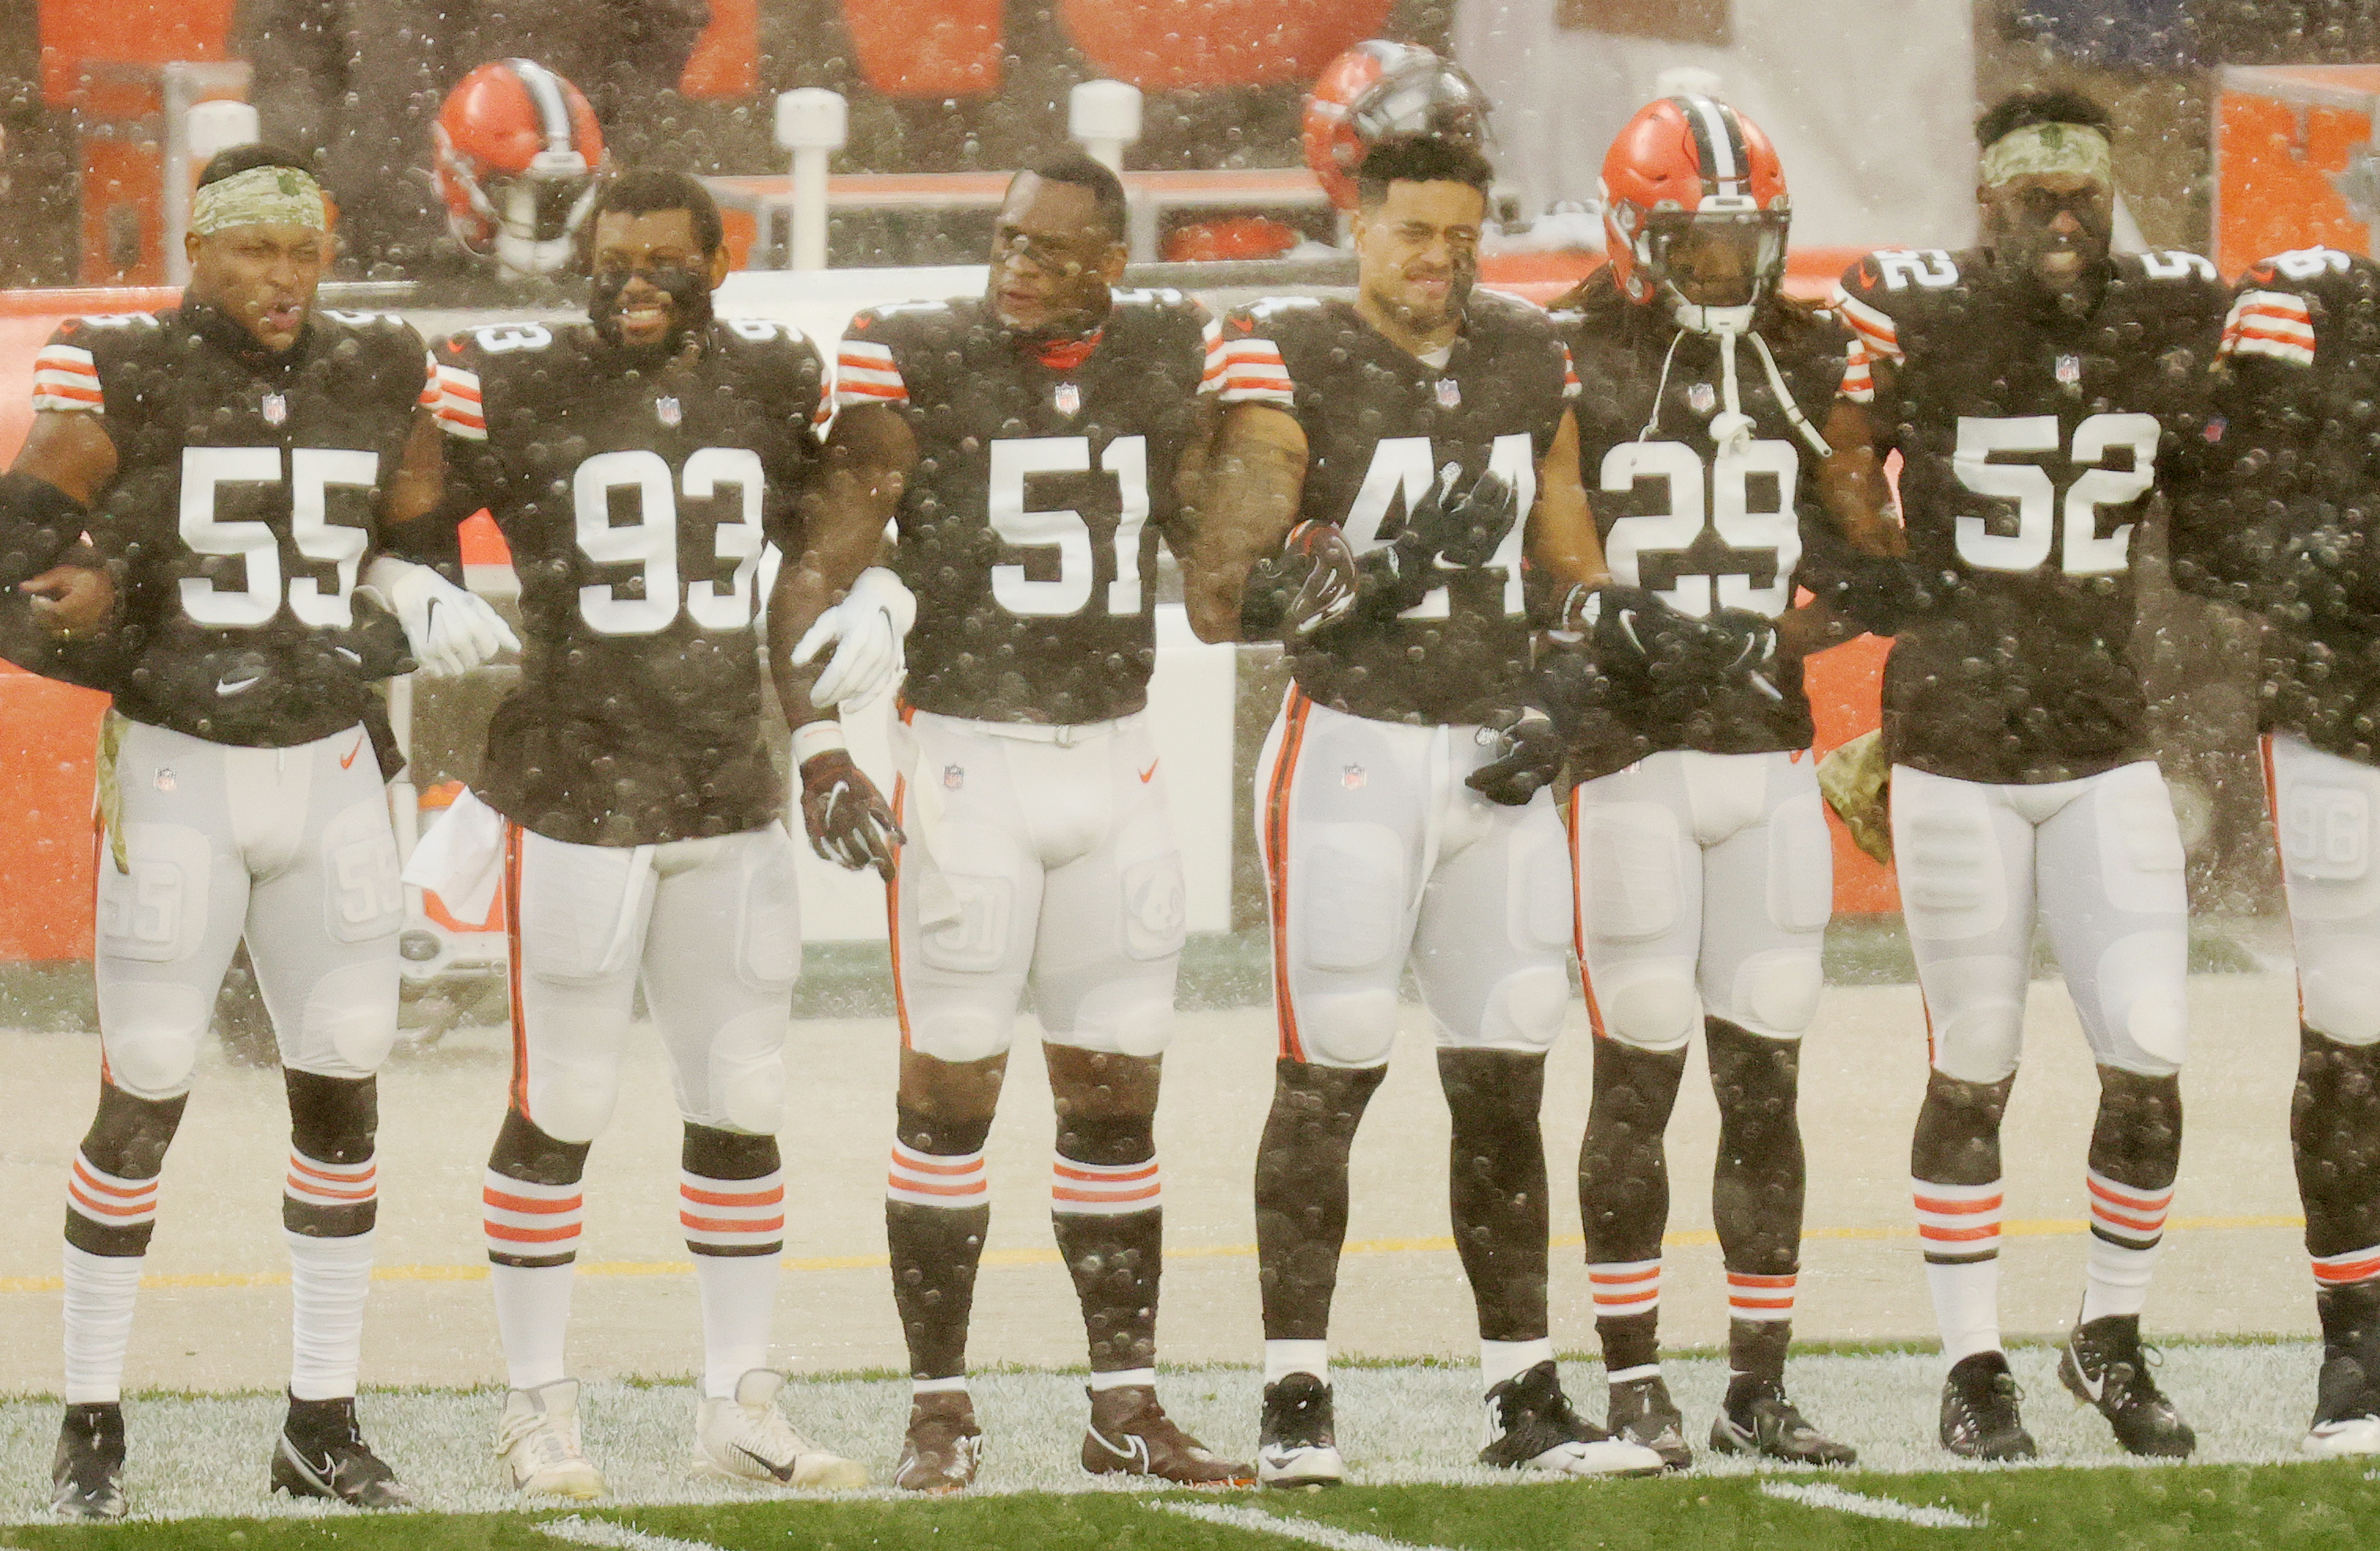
x=1683 y=161
x=1379 y=87
x=517 y=154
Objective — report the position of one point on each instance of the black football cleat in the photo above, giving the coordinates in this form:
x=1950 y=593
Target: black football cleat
x=320 y=1453
x=1297 y=1443
x=2346 y=1409
x=1532 y=1426
x=1642 y=1413
x=2105 y=1368
x=1979 y=1411
x=87 y=1471
x=1773 y=1427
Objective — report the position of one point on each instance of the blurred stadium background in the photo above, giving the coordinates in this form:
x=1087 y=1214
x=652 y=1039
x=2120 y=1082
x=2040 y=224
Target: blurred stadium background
x=2244 y=129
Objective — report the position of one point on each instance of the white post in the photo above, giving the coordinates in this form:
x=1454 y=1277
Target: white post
x=206 y=129
x=1103 y=116
x=812 y=122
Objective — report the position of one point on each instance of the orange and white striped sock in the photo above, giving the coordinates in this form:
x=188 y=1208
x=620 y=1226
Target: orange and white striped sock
x=1760 y=1297
x=2126 y=1228
x=532 y=1235
x=2354 y=1268
x=1624 y=1288
x=955 y=1181
x=1959 y=1227
x=1079 y=1189
x=327 y=1212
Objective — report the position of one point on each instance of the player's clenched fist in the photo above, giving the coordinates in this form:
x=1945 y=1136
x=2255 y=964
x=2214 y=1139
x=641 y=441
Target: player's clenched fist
x=849 y=822
x=1313 y=582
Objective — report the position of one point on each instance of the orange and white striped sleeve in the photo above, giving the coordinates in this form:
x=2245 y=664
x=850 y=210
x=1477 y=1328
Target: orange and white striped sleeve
x=1243 y=367
x=1859 y=374
x=1872 y=327
x=1570 y=375
x=460 y=405
x=2275 y=324
x=866 y=373
x=66 y=379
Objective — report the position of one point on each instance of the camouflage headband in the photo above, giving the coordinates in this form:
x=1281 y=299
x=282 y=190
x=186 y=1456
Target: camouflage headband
x=2049 y=149
x=258 y=197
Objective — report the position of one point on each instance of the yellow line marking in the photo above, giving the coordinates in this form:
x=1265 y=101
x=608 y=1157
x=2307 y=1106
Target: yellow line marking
x=2023 y=1229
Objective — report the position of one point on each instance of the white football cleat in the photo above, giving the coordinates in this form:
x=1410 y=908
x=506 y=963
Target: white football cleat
x=2342 y=1439
x=536 y=1441
x=748 y=1438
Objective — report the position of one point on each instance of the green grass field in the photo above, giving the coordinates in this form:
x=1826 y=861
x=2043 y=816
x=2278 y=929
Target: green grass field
x=2037 y=1510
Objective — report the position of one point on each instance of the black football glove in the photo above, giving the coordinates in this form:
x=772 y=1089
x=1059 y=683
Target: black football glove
x=849 y=822
x=1311 y=583
x=1529 y=757
x=1444 y=531
x=1741 y=645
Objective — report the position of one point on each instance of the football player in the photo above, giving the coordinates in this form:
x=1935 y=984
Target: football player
x=1026 y=444
x=639 y=464
x=1412 y=450
x=2036 y=387
x=1699 y=843
x=239 y=462
x=2284 y=528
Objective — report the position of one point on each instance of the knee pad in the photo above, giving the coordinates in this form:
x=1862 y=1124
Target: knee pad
x=1775 y=993
x=525 y=1153
x=129 y=1135
x=149 y=1033
x=332 y=1120
x=958 y=1028
x=1121 y=1017
x=348 y=1024
x=943 y=1136
x=1947 y=859
x=1355 y=1029
x=1349 y=892
x=747 y=1072
x=1524 y=1009
x=1650 y=1004
x=1109 y=1141
x=1977 y=1027
x=2338 y=983
x=710 y=1154
x=572 y=1101
x=2142 y=1009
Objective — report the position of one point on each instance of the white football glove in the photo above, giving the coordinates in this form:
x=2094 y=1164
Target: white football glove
x=866 y=630
x=450 y=629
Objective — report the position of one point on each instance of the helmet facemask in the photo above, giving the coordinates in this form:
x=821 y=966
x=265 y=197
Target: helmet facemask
x=1716 y=264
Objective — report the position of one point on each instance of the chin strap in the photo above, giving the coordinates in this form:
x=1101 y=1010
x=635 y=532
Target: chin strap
x=1732 y=429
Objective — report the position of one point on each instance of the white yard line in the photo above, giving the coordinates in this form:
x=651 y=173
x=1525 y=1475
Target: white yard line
x=1841 y=1501
x=618 y=1537
x=1258 y=1523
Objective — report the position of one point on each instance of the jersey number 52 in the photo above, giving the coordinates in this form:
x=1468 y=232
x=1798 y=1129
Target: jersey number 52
x=2038 y=508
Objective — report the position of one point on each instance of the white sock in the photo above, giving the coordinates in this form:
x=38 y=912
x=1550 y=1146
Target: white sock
x=329 y=1280
x=1967 y=1306
x=1123 y=1378
x=1284 y=1358
x=956 y=1385
x=2116 y=1279
x=100 y=1293
x=739 y=1304
x=1501 y=1360
x=533 y=1321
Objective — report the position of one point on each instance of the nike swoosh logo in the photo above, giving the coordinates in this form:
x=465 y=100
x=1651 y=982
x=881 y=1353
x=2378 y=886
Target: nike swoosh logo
x=233 y=687
x=2091 y=1386
x=783 y=1472
x=355 y=657
x=1148 y=773
x=349 y=757
x=1137 y=1453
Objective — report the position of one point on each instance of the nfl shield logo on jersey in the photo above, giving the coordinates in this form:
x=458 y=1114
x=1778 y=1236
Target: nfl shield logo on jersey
x=1351 y=778
x=1069 y=398
x=1450 y=393
x=667 y=410
x=954 y=777
x=1702 y=398
x=276 y=409
x=2069 y=370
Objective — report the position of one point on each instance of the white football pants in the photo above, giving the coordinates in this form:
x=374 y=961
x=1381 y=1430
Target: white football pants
x=1705 y=884
x=2322 y=806
x=290 y=847
x=2098 y=861
x=715 y=927
x=1376 y=854
x=1039 y=856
